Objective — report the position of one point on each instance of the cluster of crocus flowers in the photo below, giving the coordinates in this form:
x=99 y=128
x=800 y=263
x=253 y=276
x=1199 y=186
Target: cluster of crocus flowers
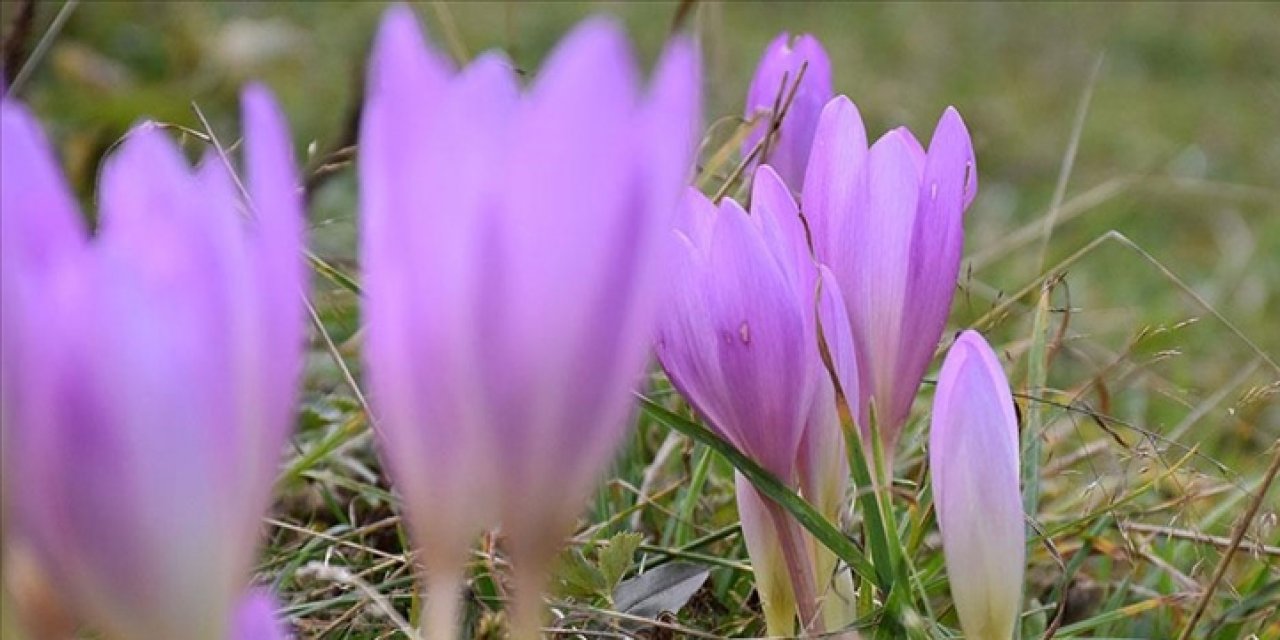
x=973 y=457
x=877 y=265
x=886 y=219
x=148 y=376
x=512 y=247
x=739 y=340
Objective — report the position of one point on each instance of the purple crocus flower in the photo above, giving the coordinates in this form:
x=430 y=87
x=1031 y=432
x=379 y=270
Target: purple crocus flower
x=512 y=245
x=149 y=372
x=888 y=221
x=739 y=340
x=788 y=152
x=973 y=455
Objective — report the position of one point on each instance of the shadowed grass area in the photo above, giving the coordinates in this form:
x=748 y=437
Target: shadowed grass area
x=1156 y=416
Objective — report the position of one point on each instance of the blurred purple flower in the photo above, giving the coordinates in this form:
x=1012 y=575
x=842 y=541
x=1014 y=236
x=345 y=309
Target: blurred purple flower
x=149 y=373
x=512 y=246
x=973 y=455
x=779 y=67
x=256 y=618
x=888 y=221
x=739 y=340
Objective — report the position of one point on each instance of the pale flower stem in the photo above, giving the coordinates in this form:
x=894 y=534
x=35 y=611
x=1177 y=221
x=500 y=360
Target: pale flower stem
x=442 y=613
x=525 y=612
x=835 y=589
x=779 y=616
x=799 y=567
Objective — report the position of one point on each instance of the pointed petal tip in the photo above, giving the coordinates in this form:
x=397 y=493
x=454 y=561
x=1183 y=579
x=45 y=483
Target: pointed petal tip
x=841 y=107
x=600 y=33
x=804 y=40
x=146 y=139
x=398 y=22
x=779 y=43
x=896 y=144
x=971 y=338
x=676 y=82
x=263 y=123
x=810 y=47
x=680 y=56
x=951 y=127
x=902 y=130
x=732 y=206
x=401 y=51
x=969 y=344
x=259 y=108
x=769 y=176
x=596 y=49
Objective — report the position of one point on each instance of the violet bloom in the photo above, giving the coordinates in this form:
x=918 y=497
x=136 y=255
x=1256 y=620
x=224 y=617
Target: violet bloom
x=779 y=68
x=149 y=372
x=973 y=455
x=512 y=244
x=739 y=340
x=888 y=221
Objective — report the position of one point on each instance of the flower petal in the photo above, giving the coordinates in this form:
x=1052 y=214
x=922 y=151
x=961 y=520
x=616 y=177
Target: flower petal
x=835 y=185
x=876 y=290
x=777 y=72
x=937 y=244
x=768 y=563
x=973 y=456
x=39 y=219
x=764 y=344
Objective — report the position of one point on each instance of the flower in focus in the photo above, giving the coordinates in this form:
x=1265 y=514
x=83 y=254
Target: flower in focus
x=148 y=373
x=739 y=340
x=888 y=222
x=973 y=455
x=512 y=243
x=778 y=71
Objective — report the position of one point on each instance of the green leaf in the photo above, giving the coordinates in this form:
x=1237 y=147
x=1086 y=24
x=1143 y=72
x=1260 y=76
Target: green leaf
x=804 y=513
x=614 y=558
x=579 y=577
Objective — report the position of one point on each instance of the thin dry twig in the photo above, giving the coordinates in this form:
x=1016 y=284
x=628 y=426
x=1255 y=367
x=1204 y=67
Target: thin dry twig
x=306 y=301
x=42 y=47
x=1237 y=539
x=1069 y=159
x=998 y=310
x=1196 y=536
x=761 y=147
x=15 y=41
x=340 y=575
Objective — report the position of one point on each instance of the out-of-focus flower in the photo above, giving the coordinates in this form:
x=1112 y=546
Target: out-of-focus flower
x=148 y=373
x=888 y=223
x=256 y=618
x=973 y=455
x=512 y=246
x=739 y=340
x=778 y=71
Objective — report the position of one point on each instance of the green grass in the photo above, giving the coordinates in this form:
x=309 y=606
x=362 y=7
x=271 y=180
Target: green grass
x=1155 y=418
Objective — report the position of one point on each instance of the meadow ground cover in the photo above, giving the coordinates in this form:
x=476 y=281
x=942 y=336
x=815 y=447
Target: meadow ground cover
x=1122 y=256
